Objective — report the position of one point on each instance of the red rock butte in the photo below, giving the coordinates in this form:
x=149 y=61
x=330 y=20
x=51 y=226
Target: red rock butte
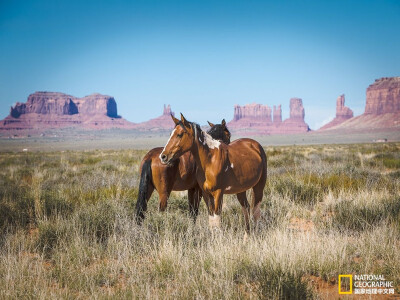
x=343 y=113
x=57 y=110
x=382 y=108
x=163 y=122
x=256 y=119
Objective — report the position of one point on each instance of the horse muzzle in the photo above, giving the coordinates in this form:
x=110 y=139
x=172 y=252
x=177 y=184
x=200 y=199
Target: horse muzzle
x=164 y=159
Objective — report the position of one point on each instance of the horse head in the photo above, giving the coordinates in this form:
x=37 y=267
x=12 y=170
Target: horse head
x=180 y=141
x=220 y=132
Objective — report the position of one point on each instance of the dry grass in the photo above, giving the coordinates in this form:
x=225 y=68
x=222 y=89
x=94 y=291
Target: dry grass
x=68 y=231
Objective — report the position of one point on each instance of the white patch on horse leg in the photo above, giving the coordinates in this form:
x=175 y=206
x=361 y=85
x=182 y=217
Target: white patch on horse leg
x=228 y=188
x=226 y=169
x=232 y=165
x=214 y=221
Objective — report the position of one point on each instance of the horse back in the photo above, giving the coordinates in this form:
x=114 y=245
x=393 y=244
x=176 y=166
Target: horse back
x=246 y=163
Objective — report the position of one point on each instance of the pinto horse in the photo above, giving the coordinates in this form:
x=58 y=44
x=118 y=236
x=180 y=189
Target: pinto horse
x=221 y=169
x=177 y=175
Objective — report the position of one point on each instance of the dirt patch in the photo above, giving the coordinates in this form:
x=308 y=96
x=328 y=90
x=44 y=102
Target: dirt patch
x=301 y=225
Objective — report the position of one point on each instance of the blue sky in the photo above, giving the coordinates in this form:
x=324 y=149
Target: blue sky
x=202 y=57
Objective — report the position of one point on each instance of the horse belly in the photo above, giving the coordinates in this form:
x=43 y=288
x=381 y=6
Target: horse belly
x=243 y=175
x=183 y=185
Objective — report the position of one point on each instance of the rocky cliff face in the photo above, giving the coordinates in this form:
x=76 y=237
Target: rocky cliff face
x=296 y=109
x=49 y=103
x=277 y=114
x=54 y=110
x=383 y=96
x=295 y=123
x=343 y=113
x=252 y=111
x=256 y=119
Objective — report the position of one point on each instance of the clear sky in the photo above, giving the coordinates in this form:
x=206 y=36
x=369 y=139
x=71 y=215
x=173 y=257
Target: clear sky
x=202 y=57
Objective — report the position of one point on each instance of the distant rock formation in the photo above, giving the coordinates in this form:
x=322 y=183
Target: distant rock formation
x=167 y=110
x=277 y=114
x=256 y=119
x=382 y=107
x=296 y=109
x=45 y=110
x=252 y=111
x=383 y=96
x=343 y=113
x=295 y=124
x=251 y=117
x=161 y=123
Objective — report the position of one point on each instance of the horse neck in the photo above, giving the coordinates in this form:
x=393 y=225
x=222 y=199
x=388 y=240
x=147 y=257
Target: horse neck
x=201 y=150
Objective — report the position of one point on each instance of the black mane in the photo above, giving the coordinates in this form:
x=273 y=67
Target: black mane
x=216 y=132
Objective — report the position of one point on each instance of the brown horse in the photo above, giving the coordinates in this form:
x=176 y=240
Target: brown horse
x=221 y=169
x=177 y=175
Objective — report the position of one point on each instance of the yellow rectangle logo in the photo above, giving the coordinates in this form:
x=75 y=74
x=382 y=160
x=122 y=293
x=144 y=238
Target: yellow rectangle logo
x=347 y=282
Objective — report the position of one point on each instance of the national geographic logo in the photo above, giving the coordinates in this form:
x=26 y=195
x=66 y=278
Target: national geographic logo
x=345 y=284
x=368 y=284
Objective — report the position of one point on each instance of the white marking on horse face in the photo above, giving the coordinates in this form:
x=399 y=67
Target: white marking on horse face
x=172 y=133
x=232 y=165
x=211 y=143
x=214 y=221
x=226 y=169
x=228 y=188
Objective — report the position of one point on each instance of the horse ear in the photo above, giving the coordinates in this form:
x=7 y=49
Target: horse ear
x=211 y=124
x=223 y=122
x=184 y=121
x=176 y=121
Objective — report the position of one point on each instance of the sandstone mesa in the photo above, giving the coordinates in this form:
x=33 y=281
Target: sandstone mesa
x=343 y=113
x=256 y=119
x=382 y=108
x=48 y=110
x=57 y=110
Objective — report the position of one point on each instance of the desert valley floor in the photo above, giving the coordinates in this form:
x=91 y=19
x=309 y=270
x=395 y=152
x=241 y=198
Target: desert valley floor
x=68 y=231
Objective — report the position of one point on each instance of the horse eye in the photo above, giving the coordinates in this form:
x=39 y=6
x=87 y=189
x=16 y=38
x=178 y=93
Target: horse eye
x=180 y=135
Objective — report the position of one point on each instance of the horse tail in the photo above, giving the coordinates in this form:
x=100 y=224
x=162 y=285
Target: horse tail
x=264 y=158
x=145 y=180
x=258 y=189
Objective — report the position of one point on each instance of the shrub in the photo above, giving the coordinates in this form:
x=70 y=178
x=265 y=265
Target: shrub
x=361 y=215
x=97 y=220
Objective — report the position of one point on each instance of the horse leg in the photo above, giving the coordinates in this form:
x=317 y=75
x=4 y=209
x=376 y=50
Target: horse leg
x=245 y=208
x=194 y=197
x=164 y=195
x=258 y=190
x=209 y=204
x=215 y=218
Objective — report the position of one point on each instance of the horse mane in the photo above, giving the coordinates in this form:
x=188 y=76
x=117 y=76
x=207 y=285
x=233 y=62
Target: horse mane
x=220 y=137
x=218 y=132
x=196 y=127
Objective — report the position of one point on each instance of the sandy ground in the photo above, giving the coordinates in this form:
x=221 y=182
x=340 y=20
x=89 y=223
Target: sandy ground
x=72 y=139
